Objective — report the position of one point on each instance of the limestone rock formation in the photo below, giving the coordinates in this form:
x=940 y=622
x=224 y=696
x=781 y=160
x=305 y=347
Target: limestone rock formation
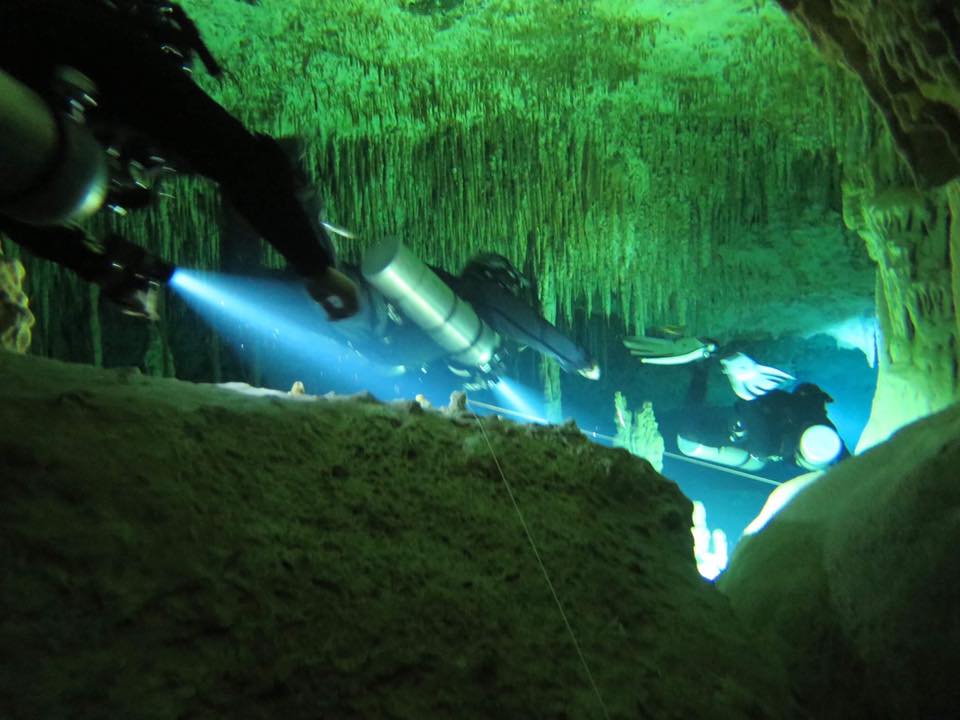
x=16 y=319
x=907 y=53
x=176 y=550
x=908 y=234
x=857 y=581
x=638 y=431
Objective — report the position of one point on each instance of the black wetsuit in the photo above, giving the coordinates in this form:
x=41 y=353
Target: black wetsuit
x=142 y=89
x=768 y=427
x=773 y=423
x=514 y=319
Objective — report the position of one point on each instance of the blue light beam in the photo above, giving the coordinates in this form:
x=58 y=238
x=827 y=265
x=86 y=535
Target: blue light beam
x=521 y=399
x=277 y=325
x=270 y=311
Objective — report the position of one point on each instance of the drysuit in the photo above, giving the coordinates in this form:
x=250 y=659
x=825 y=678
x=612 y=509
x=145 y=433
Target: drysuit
x=134 y=53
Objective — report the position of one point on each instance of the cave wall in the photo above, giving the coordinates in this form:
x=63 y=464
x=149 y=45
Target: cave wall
x=908 y=234
x=856 y=580
x=907 y=55
x=901 y=197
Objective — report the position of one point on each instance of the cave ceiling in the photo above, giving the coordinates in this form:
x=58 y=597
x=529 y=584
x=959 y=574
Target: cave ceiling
x=653 y=161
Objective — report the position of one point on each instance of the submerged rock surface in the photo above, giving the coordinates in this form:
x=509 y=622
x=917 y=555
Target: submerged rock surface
x=857 y=581
x=178 y=550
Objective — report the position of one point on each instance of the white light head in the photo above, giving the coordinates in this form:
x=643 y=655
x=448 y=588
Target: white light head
x=819 y=447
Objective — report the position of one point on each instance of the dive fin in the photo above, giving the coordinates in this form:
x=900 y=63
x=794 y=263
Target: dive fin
x=666 y=351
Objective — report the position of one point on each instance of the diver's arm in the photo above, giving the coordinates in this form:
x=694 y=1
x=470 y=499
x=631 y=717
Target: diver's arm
x=66 y=246
x=260 y=183
x=127 y=274
x=142 y=89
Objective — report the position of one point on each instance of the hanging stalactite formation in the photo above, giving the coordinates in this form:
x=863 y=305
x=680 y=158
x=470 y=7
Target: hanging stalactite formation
x=640 y=148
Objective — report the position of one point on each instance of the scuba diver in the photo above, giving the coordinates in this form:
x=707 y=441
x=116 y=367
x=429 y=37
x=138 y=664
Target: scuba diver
x=96 y=105
x=414 y=316
x=494 y=287
x=774 y=419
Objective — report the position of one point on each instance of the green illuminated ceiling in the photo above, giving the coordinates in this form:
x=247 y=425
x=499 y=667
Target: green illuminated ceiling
x=665 y=161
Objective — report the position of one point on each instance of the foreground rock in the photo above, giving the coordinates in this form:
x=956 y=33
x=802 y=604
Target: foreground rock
x=858 y=580
x=174 y=550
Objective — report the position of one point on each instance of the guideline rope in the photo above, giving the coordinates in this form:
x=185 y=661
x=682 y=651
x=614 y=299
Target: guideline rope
x=543 y=569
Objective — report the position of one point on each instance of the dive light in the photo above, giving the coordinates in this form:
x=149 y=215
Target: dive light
x=52 y=170
x=430 y=303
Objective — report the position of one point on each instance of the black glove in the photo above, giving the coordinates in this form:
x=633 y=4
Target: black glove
x=127 y=275
x=335 y=292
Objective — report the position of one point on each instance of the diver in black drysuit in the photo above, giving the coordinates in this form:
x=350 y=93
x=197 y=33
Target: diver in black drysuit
x=493 y=287
x=134 y=52
x=769 y=427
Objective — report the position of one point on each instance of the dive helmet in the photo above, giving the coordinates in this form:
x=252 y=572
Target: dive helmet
x=812 y=392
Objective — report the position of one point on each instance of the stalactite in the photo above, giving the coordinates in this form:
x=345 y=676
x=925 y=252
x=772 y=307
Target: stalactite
x=158 y=359
x=96 y=336
x=553 y=401
x=429 y=149
x=467 y=131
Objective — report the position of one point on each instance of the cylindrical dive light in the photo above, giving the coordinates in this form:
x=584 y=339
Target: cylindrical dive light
x=52 y=169
x=430 y=303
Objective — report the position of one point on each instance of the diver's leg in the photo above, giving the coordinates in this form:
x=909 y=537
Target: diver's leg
x=697 y=389
x=68 y=247
x=708 y=425
x=142 y=89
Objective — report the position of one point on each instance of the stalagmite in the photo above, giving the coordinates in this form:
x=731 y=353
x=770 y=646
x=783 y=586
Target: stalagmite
x=16 y=319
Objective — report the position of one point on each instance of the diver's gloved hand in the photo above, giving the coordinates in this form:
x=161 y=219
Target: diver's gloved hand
x=591 y=371
x=136 y=297
x=749 y=379
x=336 y=293
x=128 y=275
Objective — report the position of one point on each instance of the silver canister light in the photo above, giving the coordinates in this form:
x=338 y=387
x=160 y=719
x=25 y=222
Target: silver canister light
x=430 y=303
x=52 y=170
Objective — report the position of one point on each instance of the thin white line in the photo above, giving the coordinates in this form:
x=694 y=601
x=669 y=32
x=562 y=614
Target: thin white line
x=543 y=569
x=591 y=433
